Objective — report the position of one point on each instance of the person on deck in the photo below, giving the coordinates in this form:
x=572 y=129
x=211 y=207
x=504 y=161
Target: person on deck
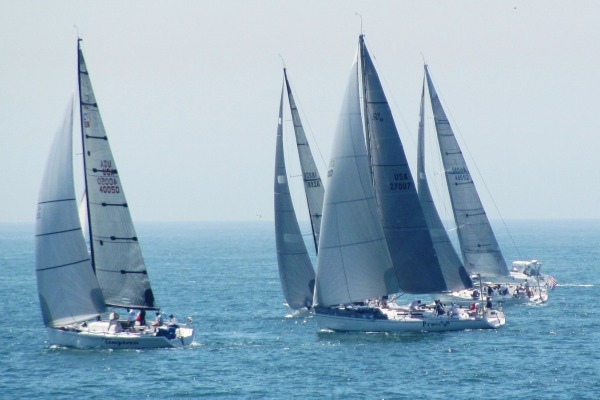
x=140 y=319
x=159 y=319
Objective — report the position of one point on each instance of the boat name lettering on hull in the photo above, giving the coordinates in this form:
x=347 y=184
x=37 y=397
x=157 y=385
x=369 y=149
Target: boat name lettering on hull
x=121 y=342
x=432 y=324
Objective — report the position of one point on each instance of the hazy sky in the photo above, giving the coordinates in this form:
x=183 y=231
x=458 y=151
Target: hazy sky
x=189 y=94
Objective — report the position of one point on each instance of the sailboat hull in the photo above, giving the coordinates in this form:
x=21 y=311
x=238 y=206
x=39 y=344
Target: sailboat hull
x=465 y=297
x=122 y=340
x=392 y=321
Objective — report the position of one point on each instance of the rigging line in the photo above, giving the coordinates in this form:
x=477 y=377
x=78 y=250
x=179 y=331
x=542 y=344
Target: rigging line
x=457 y=129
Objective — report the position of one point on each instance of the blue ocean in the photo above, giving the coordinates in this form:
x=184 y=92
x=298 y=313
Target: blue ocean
x=225 y=276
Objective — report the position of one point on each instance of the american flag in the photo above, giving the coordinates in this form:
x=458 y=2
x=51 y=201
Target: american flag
x=551 y=282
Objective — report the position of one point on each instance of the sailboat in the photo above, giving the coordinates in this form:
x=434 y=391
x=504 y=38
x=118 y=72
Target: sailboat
x=480 y=250
x=296 y=272
x=375 y=241
x=77 y=286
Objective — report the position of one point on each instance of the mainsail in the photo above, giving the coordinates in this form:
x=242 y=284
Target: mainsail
x=296 y=272
x=313 y=186
x=455 y=275
x=408 y=238
x=480 y=250
x=68 y=289
x=353 y=262
x=116 y=254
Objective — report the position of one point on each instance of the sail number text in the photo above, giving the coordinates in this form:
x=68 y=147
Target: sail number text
x=402 y=181
x=312 y=180
x=108 y=182
x=461 y=174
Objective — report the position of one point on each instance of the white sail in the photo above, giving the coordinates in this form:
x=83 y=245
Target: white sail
x=313 y=187
x=296 y=272
x=116 y=253
x=455 y=275
x=408 y=238
x=68 y=289
x=353 y=262
x=480 y=250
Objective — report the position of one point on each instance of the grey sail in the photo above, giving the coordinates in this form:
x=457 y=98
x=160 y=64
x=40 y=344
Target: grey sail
x=455 y=274
x=480 y=250
x=67 y=287
x=313 y=186
x=353 y=262
x=116 y=254
x=406 y=232
x=296 y=272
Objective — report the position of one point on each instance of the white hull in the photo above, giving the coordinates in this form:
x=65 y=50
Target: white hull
x=123 y=340
x=465 y=297
x=398 y=321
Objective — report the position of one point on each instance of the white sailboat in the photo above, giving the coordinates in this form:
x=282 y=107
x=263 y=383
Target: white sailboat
x=374 y=237
x=480 y=250
x=296 y=271
x=76 y=286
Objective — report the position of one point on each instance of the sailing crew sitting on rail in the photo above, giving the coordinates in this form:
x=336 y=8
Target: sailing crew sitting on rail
x=488 y=304
x=172 y=321
x=475 y=294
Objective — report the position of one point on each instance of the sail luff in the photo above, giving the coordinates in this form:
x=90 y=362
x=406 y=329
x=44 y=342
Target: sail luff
x=455 y=274
x=353 y=262
x=88 y=225
x=313 y=186
x=118 y=260
x=296 y=272
x=68 y=290
x=408 y=238
x=479 y=247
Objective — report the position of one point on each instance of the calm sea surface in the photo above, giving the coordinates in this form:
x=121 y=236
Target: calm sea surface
x=225 y=276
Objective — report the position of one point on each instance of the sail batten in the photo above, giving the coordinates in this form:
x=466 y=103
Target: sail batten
x=473 y=228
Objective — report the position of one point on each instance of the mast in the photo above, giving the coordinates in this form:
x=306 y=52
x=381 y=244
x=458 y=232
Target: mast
x=85 y=175
x=363 y=81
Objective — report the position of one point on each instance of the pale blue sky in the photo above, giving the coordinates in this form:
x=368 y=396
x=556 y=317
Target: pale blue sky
x=189 y=94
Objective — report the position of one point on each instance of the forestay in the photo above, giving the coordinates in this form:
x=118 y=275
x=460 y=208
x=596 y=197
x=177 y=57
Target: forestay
x=68 y=289
x=296 y=272
x=116 y=253
x=353 y=262
x=480 y=250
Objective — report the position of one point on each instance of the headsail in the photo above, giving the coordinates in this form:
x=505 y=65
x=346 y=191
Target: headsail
x=480 y=250
x=353 y=262
x=313 y=187
x=455 y=275
x=68 y=289
x=406 y=231
x=116 y=253
x=295 y=268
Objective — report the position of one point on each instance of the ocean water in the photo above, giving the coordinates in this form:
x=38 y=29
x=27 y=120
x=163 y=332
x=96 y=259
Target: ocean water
x=225 y=276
